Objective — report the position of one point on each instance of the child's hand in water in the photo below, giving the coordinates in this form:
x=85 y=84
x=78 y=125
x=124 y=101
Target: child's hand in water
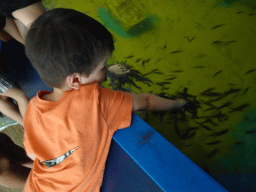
x=181 y=102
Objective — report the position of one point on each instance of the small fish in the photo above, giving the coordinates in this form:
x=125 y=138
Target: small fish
x=204 y=126
x=165 y=89
x=220 y=115
x=159 y=73
x=212 y=153
x=202 y=55
x=217 y=26
x=219 y=133
x=159 y=60
x=185 y=137
x=210 y=121
x=213 y=143
x=192 y=128
x=232 y=84
x=224 y=105
x=241 y=107
x=250 y=71
x=251 y=14
x=189 y=40
x=147 y=46
x=176 y=52
x=150 y=72
x=165 y=47
x=217 y=73
x=208 y=90
x=250 y=132
x=145 y=61
x=171 y=78
x=138 y=60
x=228 y=42
x=234 y=90
x=199 y=66
x=239 y=12
x=178 y=71
x=211 y=105
x=245 y=91
x=217 y=42
x=131 y=56
x=163 y=83
x=212 y=94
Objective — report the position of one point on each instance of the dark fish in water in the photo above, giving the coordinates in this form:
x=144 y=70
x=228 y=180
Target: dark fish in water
x=213 y=143
x=204 y=126
x=212 y=94
x=165 y=47
x=230 y=91
x=232 y=84
x=250 y=71
x=217 y=73
x=210 y=121
x=241 y=107
x=159 y=73
x=176 y=52
x=208 y=90
x=224 y=105
x=165 y=89
x=131 y=56
x=178 y=71
x=147 y=46
x=245 y=91
x=163 y=83
x=192 y=128
x=145 y=61
x=199 y=66
x=220 y=115
x=172 y=78
x=150 y=72
x=239 y=12
x=212 y=153
x=217 y=42
x=250 y=132
x=219 y=133
x=202 y=55
x=185 y=89
x=186 y=136
x=228 y=42
x=209 y=104
x=251 y=14
x=217 y=26
x=159 y=60
x=138 y=60
x=189 y=40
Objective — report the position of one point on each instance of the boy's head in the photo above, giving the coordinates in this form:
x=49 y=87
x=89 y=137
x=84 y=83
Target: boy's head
x=63 y=44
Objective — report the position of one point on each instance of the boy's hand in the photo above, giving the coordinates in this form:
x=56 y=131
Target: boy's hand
x=181 y=102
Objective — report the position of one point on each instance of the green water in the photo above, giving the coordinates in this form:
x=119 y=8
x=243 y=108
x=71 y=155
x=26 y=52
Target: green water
x=217 y=43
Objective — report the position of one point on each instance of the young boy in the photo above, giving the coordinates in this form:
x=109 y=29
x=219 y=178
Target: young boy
x=68 y=131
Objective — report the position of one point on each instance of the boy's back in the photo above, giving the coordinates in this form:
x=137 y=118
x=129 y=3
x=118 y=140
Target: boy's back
x=71 y=137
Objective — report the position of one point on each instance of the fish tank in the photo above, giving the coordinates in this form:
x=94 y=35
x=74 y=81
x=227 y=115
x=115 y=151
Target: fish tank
x=200 y=51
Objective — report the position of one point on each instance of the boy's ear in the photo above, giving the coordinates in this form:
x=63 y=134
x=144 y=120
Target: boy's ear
x=74 y=81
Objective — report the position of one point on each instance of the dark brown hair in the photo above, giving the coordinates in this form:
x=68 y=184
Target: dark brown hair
x=64 y=41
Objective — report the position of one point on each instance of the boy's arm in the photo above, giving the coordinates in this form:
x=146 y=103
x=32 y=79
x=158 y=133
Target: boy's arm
x=12 y=29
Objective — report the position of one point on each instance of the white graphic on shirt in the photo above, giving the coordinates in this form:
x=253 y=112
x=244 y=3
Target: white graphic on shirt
x=58 y=160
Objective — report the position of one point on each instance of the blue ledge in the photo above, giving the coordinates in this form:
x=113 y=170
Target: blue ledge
x=140 y=159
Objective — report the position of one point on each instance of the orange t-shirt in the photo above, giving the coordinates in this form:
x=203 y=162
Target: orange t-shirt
x=71 y=138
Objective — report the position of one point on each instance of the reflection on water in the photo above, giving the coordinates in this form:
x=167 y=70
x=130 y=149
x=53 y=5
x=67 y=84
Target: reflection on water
x=203 y=51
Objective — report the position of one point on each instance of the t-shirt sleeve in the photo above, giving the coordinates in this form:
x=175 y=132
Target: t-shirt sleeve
x=116 y=108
